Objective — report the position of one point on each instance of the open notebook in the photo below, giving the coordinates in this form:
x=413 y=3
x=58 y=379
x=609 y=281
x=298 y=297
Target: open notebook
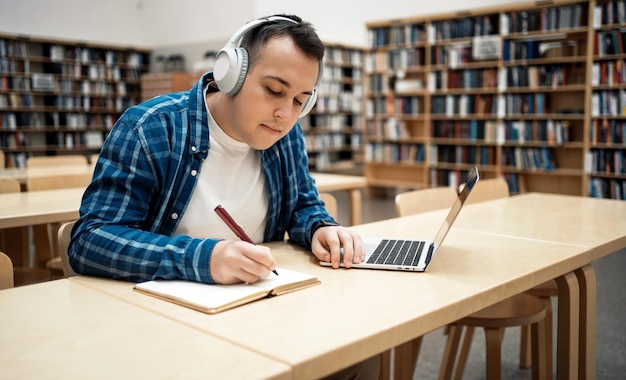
x=411 y=255
x=213 y=299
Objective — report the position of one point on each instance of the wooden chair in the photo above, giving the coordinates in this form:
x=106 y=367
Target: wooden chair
x=19 y=244
x=3 y=161
x=424 y=200
x=529 y=310
x=45 y=236
x=6 y=271
x=330 y=203
x=495 y=188
x=64 y=237
x=9 y=185
x=70 y=159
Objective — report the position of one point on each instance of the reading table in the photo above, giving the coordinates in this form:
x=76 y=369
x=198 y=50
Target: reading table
x=60 y=329
x=355 y=314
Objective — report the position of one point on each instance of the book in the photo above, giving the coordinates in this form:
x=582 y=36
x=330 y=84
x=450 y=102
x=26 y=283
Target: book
x=212 y=299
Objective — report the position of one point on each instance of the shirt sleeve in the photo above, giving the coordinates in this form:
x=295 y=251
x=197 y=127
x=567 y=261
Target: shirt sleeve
x=120 y=230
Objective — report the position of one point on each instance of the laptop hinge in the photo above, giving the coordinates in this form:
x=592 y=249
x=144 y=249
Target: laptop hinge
x=431 y=249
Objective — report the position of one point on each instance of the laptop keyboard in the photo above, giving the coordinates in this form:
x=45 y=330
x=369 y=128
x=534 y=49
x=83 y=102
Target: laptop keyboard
x=397 y=252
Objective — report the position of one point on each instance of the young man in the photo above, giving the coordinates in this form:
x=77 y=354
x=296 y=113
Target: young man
x=233 y=139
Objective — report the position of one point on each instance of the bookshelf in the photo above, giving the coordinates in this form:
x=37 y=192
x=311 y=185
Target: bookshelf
x=334 y=128
x=62 y=97
x=533 y=91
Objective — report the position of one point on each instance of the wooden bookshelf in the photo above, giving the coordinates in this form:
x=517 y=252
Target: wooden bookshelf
x=334 y=128
x=534 y=92
x=62 y=97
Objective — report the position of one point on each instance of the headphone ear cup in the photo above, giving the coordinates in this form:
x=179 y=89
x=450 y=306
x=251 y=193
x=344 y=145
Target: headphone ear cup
x=230 y=70
x=310 y=103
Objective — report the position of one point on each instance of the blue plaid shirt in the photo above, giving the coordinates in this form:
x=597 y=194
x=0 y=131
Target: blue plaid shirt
x=143 y=182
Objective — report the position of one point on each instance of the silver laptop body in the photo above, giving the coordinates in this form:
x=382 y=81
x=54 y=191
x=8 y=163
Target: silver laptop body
x=412 y=255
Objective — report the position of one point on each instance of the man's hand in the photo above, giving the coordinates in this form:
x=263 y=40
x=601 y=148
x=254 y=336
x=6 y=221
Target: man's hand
x=235 y=261
x=329 y=242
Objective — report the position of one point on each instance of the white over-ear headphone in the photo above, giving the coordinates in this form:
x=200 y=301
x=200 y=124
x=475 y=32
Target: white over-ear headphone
x=231 y=63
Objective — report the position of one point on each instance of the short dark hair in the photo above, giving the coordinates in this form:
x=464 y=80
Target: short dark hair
x=303 y=34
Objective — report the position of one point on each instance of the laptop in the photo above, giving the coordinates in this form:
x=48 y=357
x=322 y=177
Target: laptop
x=412 y=255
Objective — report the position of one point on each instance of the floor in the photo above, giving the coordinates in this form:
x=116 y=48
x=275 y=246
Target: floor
x=611 y=307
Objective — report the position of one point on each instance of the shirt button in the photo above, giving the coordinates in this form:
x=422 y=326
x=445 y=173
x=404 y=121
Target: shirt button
x=193 y=148
x=174 y=216
x=194 y=172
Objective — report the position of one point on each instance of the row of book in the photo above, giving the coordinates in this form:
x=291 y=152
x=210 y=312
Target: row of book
x=16 y=100
x=13 y=83
x=545 y=19
x=12 y=48
x=397 y=35
x=541 y=158
x=447 y=177
x=464 y=79
x=95 y=72
x=474 y=130
x=12 y=121
x=466 y=27
x=10 y=66
x=610 y=42
x=396 y=60
x=611 y=188
x=343 y=57
x=60 y=53
x=341 y=122
x=326 y=142
x=90 y=103
x=389 y=128
x=607 y=161
x=345 y=102
x=393 y=105
x=610 y=12
x=608 y=73
x=553 y=132
x=462 y=154
x=607 y=131
x=395 y=153
x=608 y=103
x=464 y=105
x=527 y=104
x=552 y=75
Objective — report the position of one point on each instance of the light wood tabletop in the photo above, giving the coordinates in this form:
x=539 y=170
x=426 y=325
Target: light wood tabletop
x=355 y=314
x=39 y=207
x=60 y=329
x=22 y=174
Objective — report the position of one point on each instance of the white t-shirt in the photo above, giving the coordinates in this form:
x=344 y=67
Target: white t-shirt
x=230 y=176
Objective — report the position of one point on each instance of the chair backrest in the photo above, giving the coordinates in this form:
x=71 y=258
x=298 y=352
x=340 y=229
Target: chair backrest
x=330 y=202
x=2 y=160
x=488 y=189
x=65 y=234
x=59 y=181
x=6 y=271
x=424 y=200
x=70 y=159
x=9 y=185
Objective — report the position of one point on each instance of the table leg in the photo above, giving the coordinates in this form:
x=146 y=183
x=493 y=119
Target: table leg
x=568 y=327
x=587 y=344
x=355 y=207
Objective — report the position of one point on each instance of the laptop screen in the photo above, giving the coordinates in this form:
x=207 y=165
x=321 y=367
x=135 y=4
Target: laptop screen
x=472 y=178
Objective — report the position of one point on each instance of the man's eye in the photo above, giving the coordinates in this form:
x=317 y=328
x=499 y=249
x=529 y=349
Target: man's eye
x=299 y=103
x=273 y=92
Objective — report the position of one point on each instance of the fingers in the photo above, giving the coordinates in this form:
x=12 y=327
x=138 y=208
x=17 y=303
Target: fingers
x=337 y=245
x=237 y=261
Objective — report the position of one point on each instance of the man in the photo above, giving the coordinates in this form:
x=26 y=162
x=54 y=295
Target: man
x=171 y=160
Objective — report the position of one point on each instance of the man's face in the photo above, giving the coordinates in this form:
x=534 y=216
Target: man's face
x=272 y=96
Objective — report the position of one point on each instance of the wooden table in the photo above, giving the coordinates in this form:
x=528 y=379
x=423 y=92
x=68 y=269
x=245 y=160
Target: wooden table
x=339 y=182
x=39 y=207
x=22 y=174
x=355 y=314
x=60 y=329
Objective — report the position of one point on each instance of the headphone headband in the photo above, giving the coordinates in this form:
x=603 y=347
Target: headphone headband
x=231 y=63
